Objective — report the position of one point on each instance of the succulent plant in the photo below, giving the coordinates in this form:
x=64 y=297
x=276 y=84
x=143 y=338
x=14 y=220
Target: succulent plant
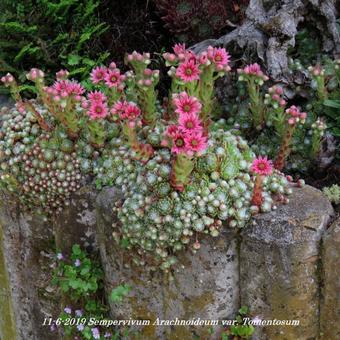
x=332 y=193
x=42 y=169
x=181 y=175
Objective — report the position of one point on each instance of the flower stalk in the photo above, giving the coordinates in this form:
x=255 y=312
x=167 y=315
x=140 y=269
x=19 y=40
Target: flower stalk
x=254 y=78
x=261 y=167
x=146 y=81
x=294 y=117
x=182 y=167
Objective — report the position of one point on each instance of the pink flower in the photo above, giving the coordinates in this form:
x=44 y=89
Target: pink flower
x=75 y=88
x=195 y=141
x=61 y=86
x=98 y=74
x=203 y=58
x=179 y=49
x=221 y=56
x=113 y=78
x=189 y=122
x=188 y=71
x=171 y=131
x=97 y=96
x=98 y=110
x=262 y=166
x=119 y=108
x=178 y=145
x=186 y=104
x=132 y=111
x=66 y=88
x=253 y=69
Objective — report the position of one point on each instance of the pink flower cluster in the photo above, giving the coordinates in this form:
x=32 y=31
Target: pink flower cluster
x=262 y=166
x=97 y=105
x=188 y=136
x=189 y=67
x=126 y=111
x=62 y=89
x=253 y=70
x=296 y=115
x=111 y=76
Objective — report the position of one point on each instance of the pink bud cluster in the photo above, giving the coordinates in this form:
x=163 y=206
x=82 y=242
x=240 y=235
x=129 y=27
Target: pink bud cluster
x=135 y=56
x=252 y=70
x=35 y=74
x=150 y=77
x=295 y=115
x=190 y=65
x=8 y=79
x=316 y=71
x=62 y=74
x=127 y=111
x=319 y=125
x=188 y=136
x=110 y=76
x=275 y=96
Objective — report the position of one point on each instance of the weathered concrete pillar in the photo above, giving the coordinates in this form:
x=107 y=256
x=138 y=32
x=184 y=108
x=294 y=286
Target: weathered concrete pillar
x=280 y=265
x=76 y=223
x=205 y=285
x=28 y=245
x=330 y=303
x=25 y=243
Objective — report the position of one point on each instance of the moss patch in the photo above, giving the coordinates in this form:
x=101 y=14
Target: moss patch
x=7 y=322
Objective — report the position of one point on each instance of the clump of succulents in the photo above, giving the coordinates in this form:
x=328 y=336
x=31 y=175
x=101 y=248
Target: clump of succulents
x=263 y=114
x=47 y=145
x=332 y=193
x=182 y=176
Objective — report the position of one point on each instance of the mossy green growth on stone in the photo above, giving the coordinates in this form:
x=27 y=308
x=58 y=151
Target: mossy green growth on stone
x=7 y=321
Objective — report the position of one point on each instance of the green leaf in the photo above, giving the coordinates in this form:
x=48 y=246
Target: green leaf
x=118 y=293
x=332 y=103
x=124 y=243
x=243 y=310
x=26 y=50
x=73 y=59
x=64 y=286
x=84 y=271
x=75 y=284
x=31 y=88
x=76 y=249
x=89 y=62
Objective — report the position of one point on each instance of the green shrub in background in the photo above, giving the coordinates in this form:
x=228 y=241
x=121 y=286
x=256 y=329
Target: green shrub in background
x=51 y=34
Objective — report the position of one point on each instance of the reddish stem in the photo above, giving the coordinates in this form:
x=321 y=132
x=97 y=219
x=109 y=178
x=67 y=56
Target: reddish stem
x=257 y=198
x=41 y=121
x=284 y=149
